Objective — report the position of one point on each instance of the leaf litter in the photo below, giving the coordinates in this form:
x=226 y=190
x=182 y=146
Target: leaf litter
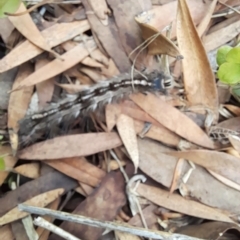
x=184 y=141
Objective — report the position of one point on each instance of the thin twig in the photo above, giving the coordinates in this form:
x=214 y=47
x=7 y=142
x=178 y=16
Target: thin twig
x=51 y=227
x=105 y=224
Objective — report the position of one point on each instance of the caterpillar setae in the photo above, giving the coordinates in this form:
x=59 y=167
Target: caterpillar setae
x=33 y=127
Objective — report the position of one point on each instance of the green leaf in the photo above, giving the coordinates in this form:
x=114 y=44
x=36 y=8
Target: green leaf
x=10 y=6
x=236 y=90
x=229 y=73
x=233 y=55
x=2 y=164
x=222 y=53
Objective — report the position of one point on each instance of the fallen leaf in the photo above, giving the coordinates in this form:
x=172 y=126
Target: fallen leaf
x=44 y=89
x=125 y=126
x=211 y=230
x=177 y=203
x=172 y=119
x=74 y=145
x=39 y=201
x=158 y=133
x=101 y=10
x=108 y=199
x=57 y=66
x=54 y=35
x=221 y=163
x=199 y=81
x=30 y=170
x=79 y=169
x=108 y=39
x=19 y=100
x=158 y=43
x=45 y=183
x=202 y=27
x=6 y=233
x=112 y=112
x=227 y=33
x=25 y=25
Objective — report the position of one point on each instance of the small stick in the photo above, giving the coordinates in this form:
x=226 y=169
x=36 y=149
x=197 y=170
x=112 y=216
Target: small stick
x=105 y=224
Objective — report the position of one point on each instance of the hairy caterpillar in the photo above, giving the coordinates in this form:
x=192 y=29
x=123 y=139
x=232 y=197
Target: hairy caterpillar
x=34 y=127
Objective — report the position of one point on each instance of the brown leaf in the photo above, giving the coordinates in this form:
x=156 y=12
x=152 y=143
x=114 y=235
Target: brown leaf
x=30 y=170
x=179 y=204
x=159 y=43
x=112 y=112
x=200 y=186
x=108 y=39
x=55 y=35
x=79 y=169
x=227 y=33
x=207 y=18
x=39 y=201
x=101 y=9
x=151 y=155
x=73 y=145
x=57 y=66
x=172 y=119
x=211 y=230
x=25 y=25
x=163 y=15
x=19 y=100
x=103 y=204
x=44 y=89
x=158 y=133
x=222 y=163
x=125 y=126
x=45 y=183
x=6 y=233
x=199 y=81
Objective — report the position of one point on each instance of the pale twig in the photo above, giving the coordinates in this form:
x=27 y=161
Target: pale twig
x=40 y=222
x=105 y=224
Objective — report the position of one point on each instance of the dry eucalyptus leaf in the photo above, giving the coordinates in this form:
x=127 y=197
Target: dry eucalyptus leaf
x=73 y=145
x=173 y=119
x=39 y=201
x=27 y=28
x=179 y=204
x=55 y=67
x=125 y=126
x=159 y=43
x=199 y=81
x=30 y=170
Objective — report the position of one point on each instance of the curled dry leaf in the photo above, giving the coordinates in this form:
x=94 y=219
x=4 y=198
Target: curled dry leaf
x=158 y=43
x=125 y=126
x=39 y=201
x=172 y=119
x=73 y=145
x=112 y=112
x=199 y=81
